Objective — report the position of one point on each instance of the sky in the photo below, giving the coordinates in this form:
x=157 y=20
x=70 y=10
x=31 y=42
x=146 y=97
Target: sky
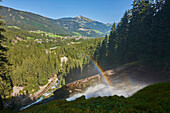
x=106 y=11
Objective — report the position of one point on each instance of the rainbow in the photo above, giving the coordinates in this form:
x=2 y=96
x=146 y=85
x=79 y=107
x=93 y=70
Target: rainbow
x=100 y=70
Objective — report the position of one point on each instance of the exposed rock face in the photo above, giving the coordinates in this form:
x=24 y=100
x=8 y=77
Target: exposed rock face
x=76 y=87
x=62 y=93
x=81 y=85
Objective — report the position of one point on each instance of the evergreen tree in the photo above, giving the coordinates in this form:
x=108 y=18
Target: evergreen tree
x=97 y=52
x=102 y=60
x=123 y=37
x=5 y=81
x=142 y=34
x=161 y=34
x=111 y=45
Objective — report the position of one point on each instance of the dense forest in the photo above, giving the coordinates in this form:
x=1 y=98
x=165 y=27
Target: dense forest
x=32 y=64
x=141 y=35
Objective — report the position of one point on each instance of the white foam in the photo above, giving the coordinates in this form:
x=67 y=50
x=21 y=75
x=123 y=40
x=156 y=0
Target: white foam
x=102 y=90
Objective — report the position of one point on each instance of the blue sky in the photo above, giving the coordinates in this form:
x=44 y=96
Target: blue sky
x=107 y=11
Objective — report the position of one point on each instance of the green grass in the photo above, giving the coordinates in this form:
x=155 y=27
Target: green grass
x=98 y=32
x=77 y=34
x=51 y=35
x=29 y=38
x=75 y=42
x=38 y=32
x=154 y=98
x=14 y=27
x=47 y=34
x=108 y=32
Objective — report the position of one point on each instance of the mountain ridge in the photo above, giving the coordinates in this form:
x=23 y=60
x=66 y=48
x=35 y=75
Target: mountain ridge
x=79 y=25
x=88 y=23
x=29 y=21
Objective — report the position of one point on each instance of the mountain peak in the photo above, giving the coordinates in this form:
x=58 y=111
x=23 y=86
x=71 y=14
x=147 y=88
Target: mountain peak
x=80 y=17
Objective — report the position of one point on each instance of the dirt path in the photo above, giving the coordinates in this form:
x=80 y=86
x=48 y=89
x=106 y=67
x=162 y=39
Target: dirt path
x=39 y=94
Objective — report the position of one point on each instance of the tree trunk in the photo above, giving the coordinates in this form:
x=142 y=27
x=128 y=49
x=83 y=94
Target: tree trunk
x=1 y=104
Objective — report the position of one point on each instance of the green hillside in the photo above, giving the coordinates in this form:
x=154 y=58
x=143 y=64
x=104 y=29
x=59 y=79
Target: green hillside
x=88 y=23
x=86 y=26
x=30 y=21
x=154 y=98
x=34 y=22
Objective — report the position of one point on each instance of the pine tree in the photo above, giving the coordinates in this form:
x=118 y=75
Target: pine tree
x=122 y=33
x=5 y=81
x=161 y=45
x=111 y=45
x=103 y=53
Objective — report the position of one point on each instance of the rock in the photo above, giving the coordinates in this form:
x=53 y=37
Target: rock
x=62 y=93
x=78 y=90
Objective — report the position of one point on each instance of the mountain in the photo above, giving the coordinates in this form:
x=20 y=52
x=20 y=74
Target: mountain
x=86 y=25
x=80 y=26
x=30 y=21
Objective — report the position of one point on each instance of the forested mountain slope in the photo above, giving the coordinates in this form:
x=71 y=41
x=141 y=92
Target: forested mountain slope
x=79 y=26
x=30 y=21
x=86 y=25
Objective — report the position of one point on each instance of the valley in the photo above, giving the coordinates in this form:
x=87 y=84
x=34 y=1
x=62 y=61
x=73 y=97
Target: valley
x=77 y=64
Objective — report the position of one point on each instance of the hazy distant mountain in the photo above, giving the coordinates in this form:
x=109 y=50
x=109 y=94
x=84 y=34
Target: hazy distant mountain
x=109 y=24
x=80 y=26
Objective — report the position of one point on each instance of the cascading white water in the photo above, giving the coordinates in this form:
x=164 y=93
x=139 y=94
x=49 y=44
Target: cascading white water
x=102 y=90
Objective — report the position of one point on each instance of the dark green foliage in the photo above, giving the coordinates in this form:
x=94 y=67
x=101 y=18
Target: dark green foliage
x=142 y=34
x=154 y=98
x=5 y=80
x=32 y=66
x=79 y=64
x=111 y=46
x=102 y=53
